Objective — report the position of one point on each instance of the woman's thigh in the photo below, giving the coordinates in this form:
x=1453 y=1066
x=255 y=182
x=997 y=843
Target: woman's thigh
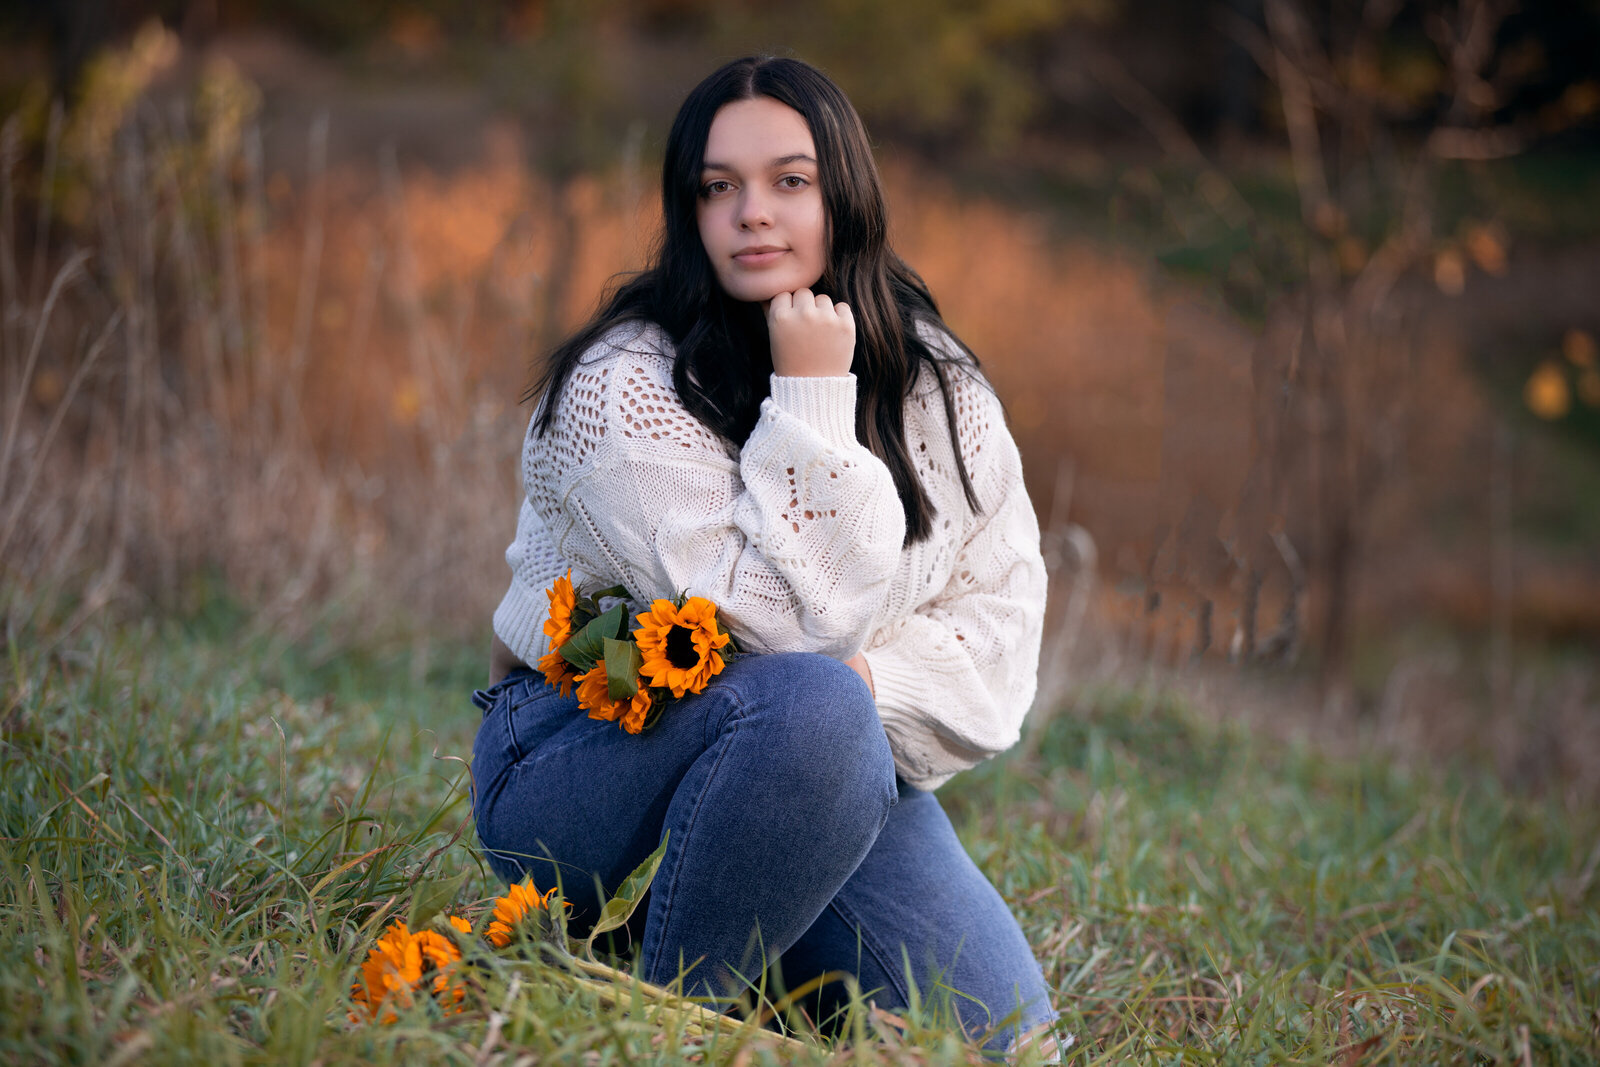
x=918 y=909
x=777 y=773
x=571 y=800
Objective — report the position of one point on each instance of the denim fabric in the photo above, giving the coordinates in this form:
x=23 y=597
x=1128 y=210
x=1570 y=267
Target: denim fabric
x=792 y=841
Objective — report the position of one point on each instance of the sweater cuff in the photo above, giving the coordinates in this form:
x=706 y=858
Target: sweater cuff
x=894 y=681
x=519 y=622
x=827 y=405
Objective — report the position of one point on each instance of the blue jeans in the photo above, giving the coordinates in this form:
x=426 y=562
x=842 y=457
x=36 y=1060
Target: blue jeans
x=792 y=841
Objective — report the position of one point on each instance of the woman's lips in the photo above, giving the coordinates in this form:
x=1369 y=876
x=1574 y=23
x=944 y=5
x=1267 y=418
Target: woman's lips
x=758 y=257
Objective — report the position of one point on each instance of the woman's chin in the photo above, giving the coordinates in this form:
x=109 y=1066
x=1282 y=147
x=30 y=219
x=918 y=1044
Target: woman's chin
x=761 y=290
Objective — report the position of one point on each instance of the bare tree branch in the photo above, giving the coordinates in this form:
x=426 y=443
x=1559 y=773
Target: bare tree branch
x=1299 y=115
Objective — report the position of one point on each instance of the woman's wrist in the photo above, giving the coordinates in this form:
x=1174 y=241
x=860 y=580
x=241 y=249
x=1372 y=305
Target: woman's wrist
x=827 y=404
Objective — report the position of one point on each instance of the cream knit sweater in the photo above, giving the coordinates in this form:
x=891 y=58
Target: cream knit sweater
x=797 y=538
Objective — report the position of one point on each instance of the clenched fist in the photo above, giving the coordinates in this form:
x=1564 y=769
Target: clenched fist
x=811 y=336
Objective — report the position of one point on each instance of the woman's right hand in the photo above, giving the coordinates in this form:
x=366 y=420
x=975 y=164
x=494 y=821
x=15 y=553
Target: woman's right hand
x=810 y=335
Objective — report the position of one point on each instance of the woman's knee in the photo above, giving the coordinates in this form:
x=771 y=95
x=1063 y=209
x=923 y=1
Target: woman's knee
x=818 y=711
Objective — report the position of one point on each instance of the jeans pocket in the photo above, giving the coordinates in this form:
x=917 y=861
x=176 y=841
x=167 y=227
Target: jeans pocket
x=485 y=699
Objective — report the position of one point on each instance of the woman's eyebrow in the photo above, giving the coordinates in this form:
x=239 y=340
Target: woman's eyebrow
x=781 y=161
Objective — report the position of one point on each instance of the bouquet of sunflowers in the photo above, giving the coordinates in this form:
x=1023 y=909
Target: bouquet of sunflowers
x=429 y=960
x=630 y=678
x=441 y=963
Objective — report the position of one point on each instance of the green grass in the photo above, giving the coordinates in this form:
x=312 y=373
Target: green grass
x=1239 y=898
x=202 y=840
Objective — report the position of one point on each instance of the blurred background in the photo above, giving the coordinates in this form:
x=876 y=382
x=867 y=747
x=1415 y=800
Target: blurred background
x=1294 y=307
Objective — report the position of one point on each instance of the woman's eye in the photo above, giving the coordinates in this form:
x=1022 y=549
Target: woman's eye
x=793 y=181
x=715 y=187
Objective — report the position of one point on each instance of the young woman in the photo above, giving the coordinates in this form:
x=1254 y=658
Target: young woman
x=775 y=417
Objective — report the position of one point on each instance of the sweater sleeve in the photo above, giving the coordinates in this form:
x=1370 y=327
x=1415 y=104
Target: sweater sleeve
x=796 y=538
x=955 y=677
x=535 y=565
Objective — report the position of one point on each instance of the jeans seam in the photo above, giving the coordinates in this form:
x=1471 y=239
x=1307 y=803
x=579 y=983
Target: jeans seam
x=484 y=800
x=545 y=750
x=871 y=944
x=517 y=755
x=659 y=935
x=735 y=713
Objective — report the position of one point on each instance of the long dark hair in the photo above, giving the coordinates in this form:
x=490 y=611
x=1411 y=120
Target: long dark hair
x=723 y=360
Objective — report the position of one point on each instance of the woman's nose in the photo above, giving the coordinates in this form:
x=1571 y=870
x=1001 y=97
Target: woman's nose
x=754 y=213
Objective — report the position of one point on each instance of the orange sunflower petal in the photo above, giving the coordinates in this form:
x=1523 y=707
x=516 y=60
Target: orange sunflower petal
x=558 y=672
x=638 y=709
x=558 y=627
x=511 y=909
x=594 y=694
x=398 y=962
x=439 y=955
x=698 y=618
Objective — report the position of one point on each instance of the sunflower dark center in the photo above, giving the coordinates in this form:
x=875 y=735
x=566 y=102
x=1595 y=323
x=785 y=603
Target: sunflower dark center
x=680 y=648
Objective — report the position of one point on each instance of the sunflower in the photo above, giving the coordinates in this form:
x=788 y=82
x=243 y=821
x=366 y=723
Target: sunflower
x=680 y=644
x=563 y=598
x=557 y=671
x=513 y=908
x=399 y=962
x=594 y=696
x=638 y=710
x=558 y=627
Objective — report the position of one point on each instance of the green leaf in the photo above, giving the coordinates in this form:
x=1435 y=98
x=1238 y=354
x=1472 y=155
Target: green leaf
x=628 y=895
x=581 y=616
x=623 y=660
x=431 y=898
x=587 y=647
x=556 y=918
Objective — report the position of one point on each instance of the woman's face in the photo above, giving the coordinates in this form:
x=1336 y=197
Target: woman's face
x=760 y=209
